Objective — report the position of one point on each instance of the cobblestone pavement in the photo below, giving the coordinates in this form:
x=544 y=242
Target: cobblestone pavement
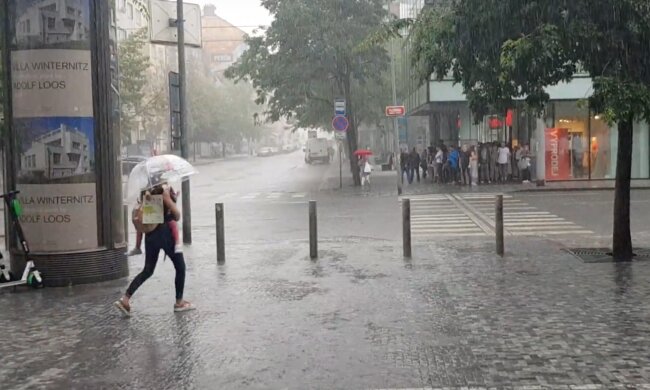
x=361 y=317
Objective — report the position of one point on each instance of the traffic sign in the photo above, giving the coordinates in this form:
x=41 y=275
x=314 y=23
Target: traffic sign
x=339 y=107
x=340 y=135
x=340 y=123
x=395 y=111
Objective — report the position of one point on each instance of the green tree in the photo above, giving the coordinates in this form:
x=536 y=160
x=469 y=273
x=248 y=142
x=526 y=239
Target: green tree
x=142 y=94
x=502 y=50
x=308 y=57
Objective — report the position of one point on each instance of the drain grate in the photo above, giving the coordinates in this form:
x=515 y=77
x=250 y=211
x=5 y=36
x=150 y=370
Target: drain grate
x=604 y=255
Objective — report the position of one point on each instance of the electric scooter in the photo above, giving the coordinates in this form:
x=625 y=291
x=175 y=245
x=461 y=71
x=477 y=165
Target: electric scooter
x=31 y=276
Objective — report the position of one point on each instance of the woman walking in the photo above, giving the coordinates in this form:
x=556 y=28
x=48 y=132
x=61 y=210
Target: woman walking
x=161 y=238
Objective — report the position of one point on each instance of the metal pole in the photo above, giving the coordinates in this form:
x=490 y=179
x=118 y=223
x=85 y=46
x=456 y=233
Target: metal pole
x=499 y=224
x=406 y=227
x=396 y=160
x=182 y=92
x=313 y=230
x=125 y=212
x=340 y=165
x=221 y=235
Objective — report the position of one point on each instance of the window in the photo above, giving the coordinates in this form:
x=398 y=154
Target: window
x=56 y=158
x=74 y=157
x=76 y=145
x=29 y=26
x=51 y=23
x=122 y=4
x=129 y=11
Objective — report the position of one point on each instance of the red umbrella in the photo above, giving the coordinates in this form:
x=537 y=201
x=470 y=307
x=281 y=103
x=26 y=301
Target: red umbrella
x=363 y=152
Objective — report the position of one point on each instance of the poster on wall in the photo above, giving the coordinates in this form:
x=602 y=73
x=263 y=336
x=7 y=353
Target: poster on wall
x=558 y=154
x=62 y=218
x=51 y=83
x=53 y=123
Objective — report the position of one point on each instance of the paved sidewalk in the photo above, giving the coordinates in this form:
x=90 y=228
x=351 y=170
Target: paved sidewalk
x=361 y=317
x=385 y=184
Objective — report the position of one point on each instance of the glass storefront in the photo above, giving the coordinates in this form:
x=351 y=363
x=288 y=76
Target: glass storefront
x=581 y=145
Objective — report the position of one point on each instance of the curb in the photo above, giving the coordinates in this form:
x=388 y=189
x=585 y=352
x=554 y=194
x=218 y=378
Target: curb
x=575 y=189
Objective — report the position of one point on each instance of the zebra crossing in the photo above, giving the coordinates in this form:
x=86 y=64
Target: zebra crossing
x=262 y=196
x=467 y=215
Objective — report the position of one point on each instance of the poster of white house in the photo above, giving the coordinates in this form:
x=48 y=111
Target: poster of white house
x=42 y=24
x=56 y=150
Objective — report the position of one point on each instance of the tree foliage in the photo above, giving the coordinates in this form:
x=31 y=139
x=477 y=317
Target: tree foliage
x=503 y=50
x=308 y=57
x=134 y=63
x=221 y=113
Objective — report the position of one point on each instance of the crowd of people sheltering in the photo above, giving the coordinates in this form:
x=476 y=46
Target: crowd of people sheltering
x=484 y=163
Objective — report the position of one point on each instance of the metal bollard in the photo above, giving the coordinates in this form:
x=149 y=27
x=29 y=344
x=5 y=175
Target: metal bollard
x=406 y=227
x=499 y=225
x=313 y=230
x=125 y=213
x=221 y=234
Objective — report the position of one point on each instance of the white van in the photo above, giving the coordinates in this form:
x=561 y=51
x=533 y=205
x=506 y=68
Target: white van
x=317 y=150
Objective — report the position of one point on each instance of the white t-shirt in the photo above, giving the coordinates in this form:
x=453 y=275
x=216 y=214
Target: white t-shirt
x=504 y=155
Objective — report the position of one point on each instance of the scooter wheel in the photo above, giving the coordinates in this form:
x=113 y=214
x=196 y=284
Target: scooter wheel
x=3 y=278
x=34 y=279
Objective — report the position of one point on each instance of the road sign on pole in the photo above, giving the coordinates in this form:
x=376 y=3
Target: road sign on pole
x=339 y=107
x=340 y=135
x=340 y=123
x=395 y=111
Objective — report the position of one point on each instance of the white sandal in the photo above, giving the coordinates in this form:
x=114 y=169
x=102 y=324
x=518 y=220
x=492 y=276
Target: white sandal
x=185 y=306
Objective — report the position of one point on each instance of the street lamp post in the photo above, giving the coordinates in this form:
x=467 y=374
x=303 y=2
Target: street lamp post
x=182 y=92
x=396 y=160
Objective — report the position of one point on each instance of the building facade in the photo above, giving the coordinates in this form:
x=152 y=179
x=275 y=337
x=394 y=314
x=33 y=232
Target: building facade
x=223 y=43
x=569 y=141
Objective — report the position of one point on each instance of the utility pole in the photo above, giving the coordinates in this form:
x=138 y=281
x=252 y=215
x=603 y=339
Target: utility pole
x=182 y=92
x=396 y=160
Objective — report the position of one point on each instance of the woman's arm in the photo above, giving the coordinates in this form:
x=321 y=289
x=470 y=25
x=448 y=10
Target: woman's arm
x=171 y=205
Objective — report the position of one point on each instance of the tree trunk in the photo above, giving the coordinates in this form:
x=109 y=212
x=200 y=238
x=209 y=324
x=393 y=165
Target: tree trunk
x=351 y=134
x=622 y=245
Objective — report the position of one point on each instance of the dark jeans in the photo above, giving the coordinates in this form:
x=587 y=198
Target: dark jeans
x=464 y=173
x=154 y=242
x=415 y=171
x=503 y=172
x=525 y=174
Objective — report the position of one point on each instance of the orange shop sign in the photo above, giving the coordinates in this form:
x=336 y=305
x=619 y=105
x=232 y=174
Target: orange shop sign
x=558 y=157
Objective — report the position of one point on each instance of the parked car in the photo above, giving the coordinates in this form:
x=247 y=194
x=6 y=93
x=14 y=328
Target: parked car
x=275 y=150
x=265 y=152
x=287 y=148
x=129 y=162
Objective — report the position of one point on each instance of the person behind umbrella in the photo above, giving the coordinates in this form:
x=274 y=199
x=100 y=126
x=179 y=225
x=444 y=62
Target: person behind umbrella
x=160 y=238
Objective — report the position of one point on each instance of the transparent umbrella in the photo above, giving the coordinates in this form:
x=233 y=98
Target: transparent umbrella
x=155 y=171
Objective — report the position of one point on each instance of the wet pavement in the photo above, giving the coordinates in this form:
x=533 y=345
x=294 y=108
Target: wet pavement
x=360 y=317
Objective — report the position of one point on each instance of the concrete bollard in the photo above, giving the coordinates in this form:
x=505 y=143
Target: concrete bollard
x=498 y=218
x=221 y=234
x=125 y=215
x=313 y=230
x=406 y=227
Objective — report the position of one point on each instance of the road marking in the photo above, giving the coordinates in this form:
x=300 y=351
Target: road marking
x=274 y=195
x=299 y=195
x=252 y=195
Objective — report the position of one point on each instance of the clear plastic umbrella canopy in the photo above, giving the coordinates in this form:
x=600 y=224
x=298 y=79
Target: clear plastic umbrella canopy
x=157 y=170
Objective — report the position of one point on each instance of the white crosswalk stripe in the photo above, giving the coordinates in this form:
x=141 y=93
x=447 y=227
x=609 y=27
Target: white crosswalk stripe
x=522 y=219
x=261 y=196
x=437 y=217
x=472 y=215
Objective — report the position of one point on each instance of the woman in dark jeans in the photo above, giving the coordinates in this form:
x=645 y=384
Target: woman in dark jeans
x=161 y=238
